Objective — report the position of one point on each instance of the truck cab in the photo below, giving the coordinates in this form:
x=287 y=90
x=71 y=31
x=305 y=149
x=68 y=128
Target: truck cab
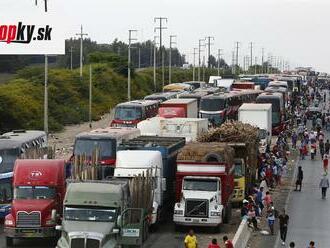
x=239 y=180
x=131 y=163
x=39 y=189
x=91 y=214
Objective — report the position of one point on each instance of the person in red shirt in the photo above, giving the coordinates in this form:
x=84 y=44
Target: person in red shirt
x=228 y=243
x=214 y=244
x=325 y=163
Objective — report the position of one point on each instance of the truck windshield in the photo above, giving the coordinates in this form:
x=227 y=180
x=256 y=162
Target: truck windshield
x=200 y=185
x=88 y=146
x=7 y=159
x=238 y=170
x=34 y=192
x=90 y=214
x=216 y=104
x=128 y=113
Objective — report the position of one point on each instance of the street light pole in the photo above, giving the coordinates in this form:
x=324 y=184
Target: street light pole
x=46 y=97
x=130 y=39
x=81 y=34
x=170 y=59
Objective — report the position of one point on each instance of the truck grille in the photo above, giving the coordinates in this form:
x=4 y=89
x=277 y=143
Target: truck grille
x=92 y=243
x=197 y=208
x=25 y=219
x=77 y=243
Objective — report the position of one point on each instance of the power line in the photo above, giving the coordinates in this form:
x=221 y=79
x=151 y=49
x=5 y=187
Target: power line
x=161 y=27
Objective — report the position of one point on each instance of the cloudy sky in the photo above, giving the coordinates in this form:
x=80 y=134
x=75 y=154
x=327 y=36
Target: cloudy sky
x=296 y=30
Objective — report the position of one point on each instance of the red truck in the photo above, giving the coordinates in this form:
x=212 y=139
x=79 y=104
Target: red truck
x=39 y=189
x=204 y=185
x=182 y=107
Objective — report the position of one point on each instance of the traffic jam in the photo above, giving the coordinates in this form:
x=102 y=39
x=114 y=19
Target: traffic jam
x=191 y=152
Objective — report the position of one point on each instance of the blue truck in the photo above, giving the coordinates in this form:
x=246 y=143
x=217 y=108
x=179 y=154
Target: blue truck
x=169 y=148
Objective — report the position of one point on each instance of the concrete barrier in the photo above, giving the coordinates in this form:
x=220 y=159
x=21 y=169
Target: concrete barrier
x=242 y=235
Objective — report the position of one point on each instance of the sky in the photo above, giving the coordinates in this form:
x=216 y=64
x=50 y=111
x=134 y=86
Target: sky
x=295 y=30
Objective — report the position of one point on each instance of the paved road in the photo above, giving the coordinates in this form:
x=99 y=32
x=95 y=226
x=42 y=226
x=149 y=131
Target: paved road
x=309 y=214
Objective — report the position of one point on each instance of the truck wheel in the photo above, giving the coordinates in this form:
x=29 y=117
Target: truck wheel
x=9 y=241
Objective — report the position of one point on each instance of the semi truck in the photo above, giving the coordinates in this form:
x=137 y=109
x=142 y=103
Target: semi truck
x=99 y=214
x=39 y=189
x=204 y=185
x=182 y=107
x=105 y=140
x=158 y=154
x=259 y=115
x=169 y=148
x=189 y=128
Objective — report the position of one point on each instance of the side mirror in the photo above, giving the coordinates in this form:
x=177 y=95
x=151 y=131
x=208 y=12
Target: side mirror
x=119 y=221
x=58 y=228
x=53 y=215
x=164 y=184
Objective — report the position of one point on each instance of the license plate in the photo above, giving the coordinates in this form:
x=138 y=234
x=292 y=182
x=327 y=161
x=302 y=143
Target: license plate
x=195 y=220
x=28 y=231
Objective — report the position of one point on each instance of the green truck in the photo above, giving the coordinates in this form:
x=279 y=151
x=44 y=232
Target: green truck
x=97 y=214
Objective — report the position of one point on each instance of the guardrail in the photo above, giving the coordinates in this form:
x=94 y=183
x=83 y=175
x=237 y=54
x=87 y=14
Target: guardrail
x=242 y=235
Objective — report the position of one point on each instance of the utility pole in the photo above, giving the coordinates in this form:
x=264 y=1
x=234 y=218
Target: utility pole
x=233 y=62
x=130 y=39
x=237 y=48
x=46 y=97
x=139 y=57
x=262 y=59
x=208 y=43
x=203 y=68
x=81 y=48
x=200 y=45
x=90 y=96
x=161 y=27
x=71 y=58
x=219 y=60
x=255 y=64
x=194 y=64
x=155 y=53
x=251 y=53
x=170 y=59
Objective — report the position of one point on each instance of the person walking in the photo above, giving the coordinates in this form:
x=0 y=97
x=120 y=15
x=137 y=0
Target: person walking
x=191 y=240
x=327 y=147
x=324 y=185
x=228 y=243
x=214 y=244
x=271 y=220
x=325 y=163
x=300 y=177
x=284 y=221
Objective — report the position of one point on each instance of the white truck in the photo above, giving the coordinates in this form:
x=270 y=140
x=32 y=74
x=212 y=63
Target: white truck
x=189 y=128
x=259 y=115
x=132 y=163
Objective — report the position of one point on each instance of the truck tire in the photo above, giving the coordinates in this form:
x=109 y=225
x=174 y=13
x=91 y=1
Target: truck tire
x=212 y=157
x=9 y=241
x=227 y=216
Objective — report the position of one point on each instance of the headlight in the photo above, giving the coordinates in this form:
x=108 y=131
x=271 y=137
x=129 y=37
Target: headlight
x=215 y=213
x=178 y=212
x=9 y=223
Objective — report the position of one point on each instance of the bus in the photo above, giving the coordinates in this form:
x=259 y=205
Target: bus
x=278 y=110
x=129 y=114
x=14 y=145
x=196 y=95
x=219 y=107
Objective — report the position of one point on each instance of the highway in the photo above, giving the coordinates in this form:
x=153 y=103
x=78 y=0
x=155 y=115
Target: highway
x=309 y=214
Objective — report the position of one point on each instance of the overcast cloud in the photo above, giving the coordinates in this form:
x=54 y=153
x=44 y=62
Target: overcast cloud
x=297 y=30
